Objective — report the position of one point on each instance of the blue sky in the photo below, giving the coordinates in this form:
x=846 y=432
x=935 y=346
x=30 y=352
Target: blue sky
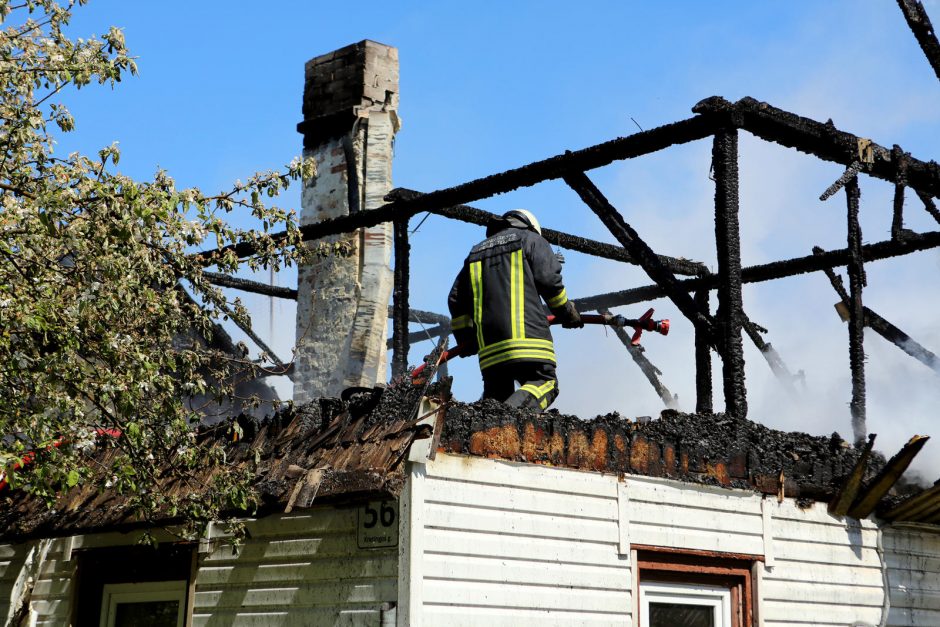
x=493 y=85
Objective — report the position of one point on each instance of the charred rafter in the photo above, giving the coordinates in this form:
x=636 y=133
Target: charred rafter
x=703 y=362
x=640 y=250
x=883 y=327
x=650 y=371
x=472 y=215
x=920 y=25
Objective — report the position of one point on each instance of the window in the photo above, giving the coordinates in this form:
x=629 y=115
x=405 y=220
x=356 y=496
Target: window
x=134 y=585
x=153 y=604
x=694 y=588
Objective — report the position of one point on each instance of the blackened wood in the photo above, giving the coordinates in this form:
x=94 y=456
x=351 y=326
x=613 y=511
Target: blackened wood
x=730 y=314
x=856 y=313
x=400 y=341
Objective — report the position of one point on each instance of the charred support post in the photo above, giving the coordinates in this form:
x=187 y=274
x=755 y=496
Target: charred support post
x=856 y=313
x=400 y=340
x=703 y=362
x=897 y=221
x=730 y=315
x=640 y=251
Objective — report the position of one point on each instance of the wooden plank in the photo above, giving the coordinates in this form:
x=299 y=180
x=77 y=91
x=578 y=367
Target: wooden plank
x=13 y=551
x=337 y=569
x=475 y=594
x=872 y=493
x=290 y=549
x=520 y=499
x=844 y=574
x=417 y=483
x=694 y=518
x=920 y=594
x=839 y=505
x=811 y=552
x=454 y=616
x=572 y=551
x=702 y=540
x=795 y=612
x=301 y=617
x=694 y=496
x=319 y=594
x=533 y=476
x=824 y=534
x=501 y=570
x=823 y=592
x=817 y=513
x=524 y=524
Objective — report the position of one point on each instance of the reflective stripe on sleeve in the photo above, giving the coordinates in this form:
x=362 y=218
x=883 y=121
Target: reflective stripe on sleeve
x=559 y=299
x=461 y=322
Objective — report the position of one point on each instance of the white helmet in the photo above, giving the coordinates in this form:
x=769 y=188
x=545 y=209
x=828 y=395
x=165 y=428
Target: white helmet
x=526 y=216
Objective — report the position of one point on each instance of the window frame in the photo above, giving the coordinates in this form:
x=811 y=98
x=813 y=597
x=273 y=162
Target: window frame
x=142 y=592
x=717 y=598
x=735 y=572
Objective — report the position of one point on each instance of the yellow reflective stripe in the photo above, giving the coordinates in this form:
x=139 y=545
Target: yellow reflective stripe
x=540 y=392
x=513 y=305
x=545 y=355
x=461 y=322
x=559 y=299
x=502 y=345
x=476 y=284
x=520 y=294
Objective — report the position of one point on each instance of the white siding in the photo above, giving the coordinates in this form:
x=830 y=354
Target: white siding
x=913 y=559
x=298 y=569
x=12 y=557
x=827 y=570
x=50 y=595
x=504 y=542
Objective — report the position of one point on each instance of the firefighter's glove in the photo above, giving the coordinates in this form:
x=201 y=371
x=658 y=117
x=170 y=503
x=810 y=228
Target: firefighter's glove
x=571 y=317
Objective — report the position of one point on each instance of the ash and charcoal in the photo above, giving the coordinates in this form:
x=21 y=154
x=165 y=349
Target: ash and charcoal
x=701 y=448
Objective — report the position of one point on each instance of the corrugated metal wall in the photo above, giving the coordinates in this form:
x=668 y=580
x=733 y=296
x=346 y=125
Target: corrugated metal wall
x=505 y=542
x=912 y=556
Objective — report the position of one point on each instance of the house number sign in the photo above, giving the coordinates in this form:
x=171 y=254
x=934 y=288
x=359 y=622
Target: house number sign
x=377 y=525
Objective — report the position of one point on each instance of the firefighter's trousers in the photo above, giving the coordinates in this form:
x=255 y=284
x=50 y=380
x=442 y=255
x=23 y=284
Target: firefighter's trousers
x=538 y=384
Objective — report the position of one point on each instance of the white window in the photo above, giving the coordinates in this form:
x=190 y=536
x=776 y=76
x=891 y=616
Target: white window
x=690 y=605
x=150 y=604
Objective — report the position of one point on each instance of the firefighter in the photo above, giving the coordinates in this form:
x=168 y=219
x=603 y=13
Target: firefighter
x=497 y=311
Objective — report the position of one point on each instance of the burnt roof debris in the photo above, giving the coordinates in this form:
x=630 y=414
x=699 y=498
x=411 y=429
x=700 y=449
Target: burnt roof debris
x=713 y=449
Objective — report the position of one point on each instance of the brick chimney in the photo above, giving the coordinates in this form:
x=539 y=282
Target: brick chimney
x=350 y=119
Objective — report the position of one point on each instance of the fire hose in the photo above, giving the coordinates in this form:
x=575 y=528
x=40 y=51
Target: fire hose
x=643 y=323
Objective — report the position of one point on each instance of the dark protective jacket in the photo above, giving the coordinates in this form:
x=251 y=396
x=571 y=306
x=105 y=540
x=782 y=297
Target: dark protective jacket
x=496 y=301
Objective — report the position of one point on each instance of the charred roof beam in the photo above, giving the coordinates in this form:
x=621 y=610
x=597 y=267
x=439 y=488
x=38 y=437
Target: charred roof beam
x=472 y=215
x=770 y=271
x=822 y=140
x=920 y=25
